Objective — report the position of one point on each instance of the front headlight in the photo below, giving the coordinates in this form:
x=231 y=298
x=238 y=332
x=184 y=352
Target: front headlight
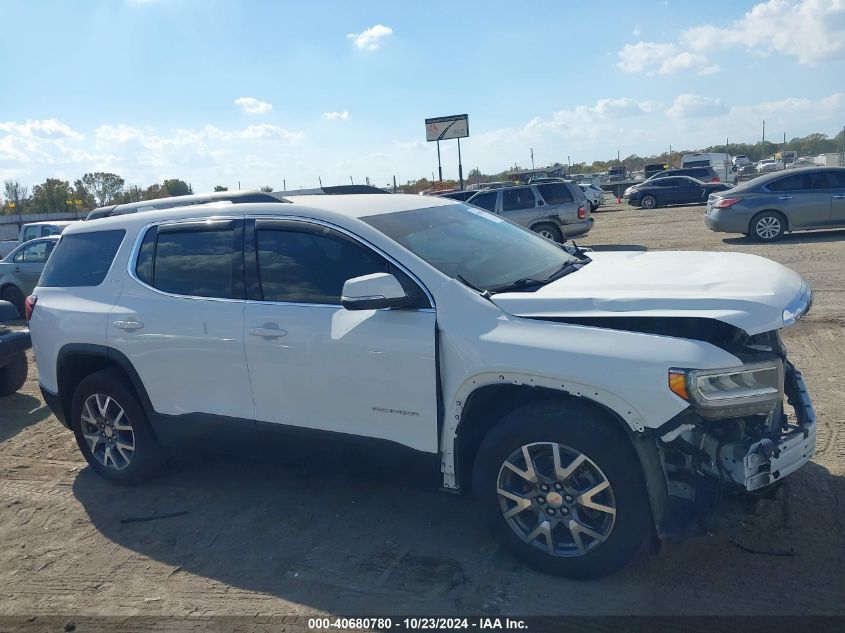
x=799 y=306
x=752 y=389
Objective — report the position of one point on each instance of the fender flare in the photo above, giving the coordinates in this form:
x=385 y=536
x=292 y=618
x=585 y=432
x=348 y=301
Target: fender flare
x=454 y=409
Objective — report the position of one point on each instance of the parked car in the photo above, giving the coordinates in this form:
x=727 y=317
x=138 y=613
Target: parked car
x=741 y=160
x=619 y=172
x=13 y=345
x=706 y=174
x=720 y=162
x=767 y=165
x=34 y=230
x=594 y=194
x=582 y=398
x=556 y=210
x=20 y=270
x=654 y=168
x=462 y=196
x=660 y=192
x=774 y=204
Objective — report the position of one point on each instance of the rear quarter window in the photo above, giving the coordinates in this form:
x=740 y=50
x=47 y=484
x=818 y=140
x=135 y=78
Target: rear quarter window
x=81 y=259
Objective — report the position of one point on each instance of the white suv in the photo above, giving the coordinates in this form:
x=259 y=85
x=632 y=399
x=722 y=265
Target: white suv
x=581 y=397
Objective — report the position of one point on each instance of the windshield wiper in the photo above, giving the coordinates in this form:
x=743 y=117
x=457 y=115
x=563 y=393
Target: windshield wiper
x=565 y=269
x=464 y=281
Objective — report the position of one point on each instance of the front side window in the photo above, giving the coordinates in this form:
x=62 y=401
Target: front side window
x=555 y=193
x=481 y=248
x=51 y=230
x=522 y=198
x=34 y=253
x=304 y=267
x=193 y=259
x=81 y=259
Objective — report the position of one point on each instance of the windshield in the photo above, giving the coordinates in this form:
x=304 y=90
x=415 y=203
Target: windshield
x=479 y=247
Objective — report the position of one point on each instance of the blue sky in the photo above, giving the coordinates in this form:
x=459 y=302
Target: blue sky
x=217 y=92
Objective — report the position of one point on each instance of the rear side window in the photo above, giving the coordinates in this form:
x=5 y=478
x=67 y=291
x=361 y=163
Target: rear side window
x=801 y=182
x=555 y=193
x=201 y=261
x=836 y=179
x=81 y=259
x=523 y=198
x=51 y=230
x=485 y=201
x=31 y=232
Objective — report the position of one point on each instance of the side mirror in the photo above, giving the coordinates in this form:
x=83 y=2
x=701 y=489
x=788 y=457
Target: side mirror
x=372 y=292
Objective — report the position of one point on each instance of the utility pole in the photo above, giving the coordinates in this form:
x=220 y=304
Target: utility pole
x=670 y=156
x=532 y=157
x=763 y=148
x=394 y=183
x=284 y=184
x=351 y=182
x=320 y=180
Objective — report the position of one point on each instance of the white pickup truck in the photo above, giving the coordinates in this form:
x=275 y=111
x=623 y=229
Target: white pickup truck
x=581 y=397
x=33 y=230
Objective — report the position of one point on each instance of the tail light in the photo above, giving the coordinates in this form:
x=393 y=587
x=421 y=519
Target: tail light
x=29 y=306
x=582 y=212
x=716 y=179
x=724 y=203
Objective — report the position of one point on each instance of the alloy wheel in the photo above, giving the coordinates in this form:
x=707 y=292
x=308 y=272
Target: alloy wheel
x=556 y=499
x=108 y=431
x=547 y=234
x=767 y=227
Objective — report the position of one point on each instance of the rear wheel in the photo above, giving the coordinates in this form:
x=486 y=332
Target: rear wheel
x=549 y=231
x=648 y=202
x=13 y=375
x=563 y=490
x=768 y=226
x=112 y=430
x=13 y=295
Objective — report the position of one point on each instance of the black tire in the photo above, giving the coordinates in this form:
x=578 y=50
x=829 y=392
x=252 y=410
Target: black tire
x=648 y=202
x=147 y=458
x=13 y=375
x=13 y=295
x=549 y=231
x=768 y=226
x=583 y=429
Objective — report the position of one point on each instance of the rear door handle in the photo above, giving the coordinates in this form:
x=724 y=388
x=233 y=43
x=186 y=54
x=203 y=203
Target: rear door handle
x=785 y=198
x=268 y=330
x=129 y=326
x=839 y=196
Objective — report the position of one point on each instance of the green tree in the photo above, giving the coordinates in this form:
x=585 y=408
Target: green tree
x=51 y=196
x=83 y=199
x=176 y=187
x=17 y=198
x=220 y=188
x=103 y=185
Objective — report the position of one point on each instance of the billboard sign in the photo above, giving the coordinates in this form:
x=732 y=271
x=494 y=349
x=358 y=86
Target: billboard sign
x=446 y=127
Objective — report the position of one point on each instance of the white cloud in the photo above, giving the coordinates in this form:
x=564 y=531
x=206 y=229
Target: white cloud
x=253 y=105
x=49 y=128
x=642 y=56
x=811 y=30
x=370 y=39
x=688 y=106
x=333 y=116
x=682 y=61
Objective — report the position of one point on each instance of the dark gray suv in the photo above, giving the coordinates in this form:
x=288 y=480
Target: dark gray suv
x=769 y=206
x=555 y=210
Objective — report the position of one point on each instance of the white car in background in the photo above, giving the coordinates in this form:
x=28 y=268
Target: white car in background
x=594 y=193
x=768 y=164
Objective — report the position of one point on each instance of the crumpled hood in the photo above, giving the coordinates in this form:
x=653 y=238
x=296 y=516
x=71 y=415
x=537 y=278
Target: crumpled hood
x=746 y=291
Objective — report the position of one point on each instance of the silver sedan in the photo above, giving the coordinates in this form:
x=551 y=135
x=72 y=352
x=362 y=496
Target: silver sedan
x=21 y=269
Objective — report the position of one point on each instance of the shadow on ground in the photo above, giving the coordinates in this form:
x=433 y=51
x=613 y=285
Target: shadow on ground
x=18 y=412
x=808 y=237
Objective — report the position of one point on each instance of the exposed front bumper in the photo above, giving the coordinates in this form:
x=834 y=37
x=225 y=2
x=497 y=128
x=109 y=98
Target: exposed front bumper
x=771 y=459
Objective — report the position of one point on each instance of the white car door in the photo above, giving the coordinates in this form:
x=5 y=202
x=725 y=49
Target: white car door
x=315 y=364
x=179 y=319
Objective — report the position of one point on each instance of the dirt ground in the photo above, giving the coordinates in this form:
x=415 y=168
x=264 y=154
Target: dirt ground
x=301 y=531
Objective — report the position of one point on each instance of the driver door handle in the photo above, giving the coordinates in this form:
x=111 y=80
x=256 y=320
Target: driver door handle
x=785 y=198
x=129 y=326
x=268 y=330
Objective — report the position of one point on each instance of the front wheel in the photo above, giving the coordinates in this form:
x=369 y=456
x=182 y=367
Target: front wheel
x=549 y=231
x=648 y=202
x=112 y=430
x=13 y=374
x=563 y=490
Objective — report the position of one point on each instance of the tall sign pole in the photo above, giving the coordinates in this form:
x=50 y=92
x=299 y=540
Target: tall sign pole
x=460 y=166
x=439 y=166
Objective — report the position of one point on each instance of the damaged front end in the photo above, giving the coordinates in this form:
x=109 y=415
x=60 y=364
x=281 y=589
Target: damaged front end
x=737 y=432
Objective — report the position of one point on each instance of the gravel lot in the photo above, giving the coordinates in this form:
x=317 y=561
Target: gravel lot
x=298 y=530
